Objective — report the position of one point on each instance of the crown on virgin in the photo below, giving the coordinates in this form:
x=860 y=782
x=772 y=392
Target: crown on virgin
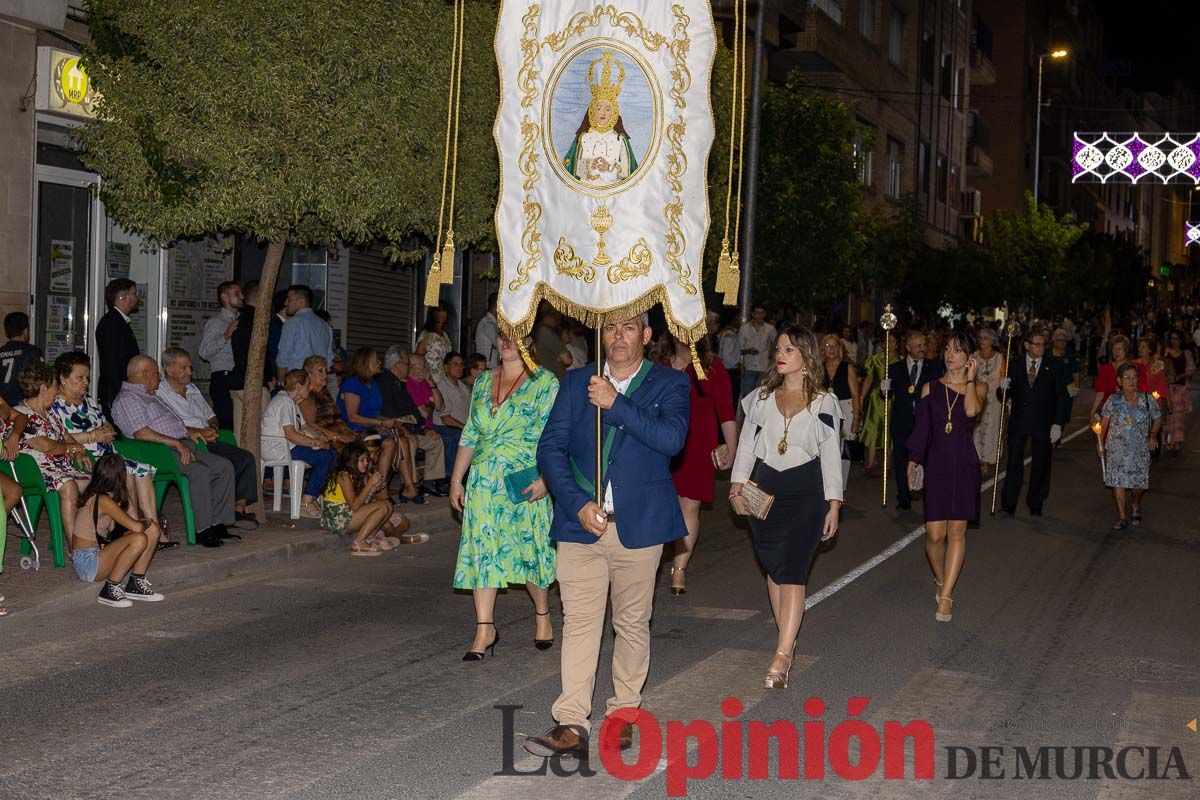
x=605 y=89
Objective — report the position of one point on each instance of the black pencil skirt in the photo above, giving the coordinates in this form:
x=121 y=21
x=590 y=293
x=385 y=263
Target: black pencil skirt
x=787 y=539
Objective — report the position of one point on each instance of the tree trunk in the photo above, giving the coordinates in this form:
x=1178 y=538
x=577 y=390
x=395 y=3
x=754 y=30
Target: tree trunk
x=249 y=437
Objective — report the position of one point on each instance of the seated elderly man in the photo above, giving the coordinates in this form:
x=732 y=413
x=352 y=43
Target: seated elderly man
x=142 y=415
x=185 y=399
x=398 y=404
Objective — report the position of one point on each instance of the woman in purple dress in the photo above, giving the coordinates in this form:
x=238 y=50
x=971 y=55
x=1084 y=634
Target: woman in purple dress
x=942 y=443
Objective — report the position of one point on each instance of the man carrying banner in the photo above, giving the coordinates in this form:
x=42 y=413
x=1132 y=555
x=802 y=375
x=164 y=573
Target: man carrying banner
x=645 y=424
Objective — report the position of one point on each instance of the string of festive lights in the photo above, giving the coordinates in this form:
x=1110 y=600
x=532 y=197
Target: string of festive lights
x=1132 y=157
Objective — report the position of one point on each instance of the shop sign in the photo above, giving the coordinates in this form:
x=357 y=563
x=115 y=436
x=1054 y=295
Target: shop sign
x=64 y=87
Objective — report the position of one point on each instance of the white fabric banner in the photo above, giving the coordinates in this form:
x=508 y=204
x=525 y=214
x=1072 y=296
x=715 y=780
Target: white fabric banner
x=604 y=131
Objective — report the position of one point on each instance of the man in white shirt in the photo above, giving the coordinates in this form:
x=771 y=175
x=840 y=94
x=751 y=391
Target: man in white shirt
x=757 y=341
x=184 y=398
x=487 y=333
x=456 y=401
x=217 y=350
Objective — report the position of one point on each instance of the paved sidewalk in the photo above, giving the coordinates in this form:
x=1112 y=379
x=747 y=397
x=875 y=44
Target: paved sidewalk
x=274 y=544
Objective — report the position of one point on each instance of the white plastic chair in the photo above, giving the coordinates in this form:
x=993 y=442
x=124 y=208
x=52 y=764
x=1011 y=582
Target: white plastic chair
x=296 y=476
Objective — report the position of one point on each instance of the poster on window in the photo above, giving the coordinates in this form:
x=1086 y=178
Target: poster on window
x=118 y=259
x=62 y=265
x=57 y=344
x=60 y=314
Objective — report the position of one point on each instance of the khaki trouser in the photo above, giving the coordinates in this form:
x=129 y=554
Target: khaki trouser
x=586 y=572
x=237 y=395
x=435 y=454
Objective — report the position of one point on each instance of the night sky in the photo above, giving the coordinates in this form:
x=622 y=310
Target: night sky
x=1159 y=37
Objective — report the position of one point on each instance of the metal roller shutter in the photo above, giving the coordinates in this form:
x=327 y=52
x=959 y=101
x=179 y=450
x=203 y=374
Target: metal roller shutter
x=382 y=301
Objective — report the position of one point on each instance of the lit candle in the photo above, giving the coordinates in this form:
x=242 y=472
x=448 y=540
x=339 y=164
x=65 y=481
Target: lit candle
x=1096 y=428
x=1155 y=395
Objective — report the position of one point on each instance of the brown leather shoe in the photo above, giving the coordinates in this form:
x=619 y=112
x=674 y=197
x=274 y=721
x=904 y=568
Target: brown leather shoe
x=626 y=736
x=561 y=740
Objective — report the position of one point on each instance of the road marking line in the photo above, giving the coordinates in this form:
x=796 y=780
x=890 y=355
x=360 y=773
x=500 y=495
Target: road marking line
x=896 y=547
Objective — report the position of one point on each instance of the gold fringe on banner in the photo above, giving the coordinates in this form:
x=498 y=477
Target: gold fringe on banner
x=530 y=364
x=696 y=364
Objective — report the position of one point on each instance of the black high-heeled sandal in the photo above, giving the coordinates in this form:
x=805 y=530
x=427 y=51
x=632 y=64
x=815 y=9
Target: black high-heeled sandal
x=475 y=655
x=543 y=644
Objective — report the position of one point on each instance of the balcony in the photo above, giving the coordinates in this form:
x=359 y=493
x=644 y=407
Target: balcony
x=979 y=159
x=983 y=71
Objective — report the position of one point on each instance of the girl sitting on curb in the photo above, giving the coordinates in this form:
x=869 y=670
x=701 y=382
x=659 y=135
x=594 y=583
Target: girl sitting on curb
x=121 y=562
x=351 y=507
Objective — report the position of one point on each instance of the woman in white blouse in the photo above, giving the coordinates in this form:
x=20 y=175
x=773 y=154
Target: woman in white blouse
x=790 y=447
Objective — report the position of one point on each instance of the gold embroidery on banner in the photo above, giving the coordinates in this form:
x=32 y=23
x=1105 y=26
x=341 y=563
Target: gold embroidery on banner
x=676 y=241
x=679 y=48
x=527 y=161
x=635 y=265
x=567 y=263
x=626 y=21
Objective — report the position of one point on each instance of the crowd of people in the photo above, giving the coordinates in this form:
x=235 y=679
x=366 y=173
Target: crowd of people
x=794 y=412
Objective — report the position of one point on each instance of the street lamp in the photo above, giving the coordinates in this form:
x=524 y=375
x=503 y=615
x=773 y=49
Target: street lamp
x=1037 y=135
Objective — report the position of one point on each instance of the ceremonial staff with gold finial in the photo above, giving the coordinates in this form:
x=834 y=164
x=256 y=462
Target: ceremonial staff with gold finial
x=1012 y=328
x=887 y=322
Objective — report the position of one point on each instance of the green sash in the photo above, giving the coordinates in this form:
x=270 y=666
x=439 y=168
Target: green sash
x=580 y=478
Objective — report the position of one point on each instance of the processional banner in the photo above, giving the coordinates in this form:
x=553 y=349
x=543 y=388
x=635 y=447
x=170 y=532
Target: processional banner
x=604 y=131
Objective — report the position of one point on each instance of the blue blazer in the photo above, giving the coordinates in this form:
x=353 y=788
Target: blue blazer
x=651 y=426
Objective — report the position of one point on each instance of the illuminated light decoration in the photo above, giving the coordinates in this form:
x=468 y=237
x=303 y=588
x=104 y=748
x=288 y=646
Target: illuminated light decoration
x=1130 y=157
x=1193 y=233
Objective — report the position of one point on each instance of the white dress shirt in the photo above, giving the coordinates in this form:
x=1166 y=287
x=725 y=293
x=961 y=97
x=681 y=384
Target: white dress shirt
x=192 y=408
x=622 y=386
x=214 y=347
x=760 y=339
x=486 y=335
x=457 y=400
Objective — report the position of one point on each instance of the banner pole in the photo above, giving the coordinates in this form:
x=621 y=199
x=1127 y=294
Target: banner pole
x=599 y=447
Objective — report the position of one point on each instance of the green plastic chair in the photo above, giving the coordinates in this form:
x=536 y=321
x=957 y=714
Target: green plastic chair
x=166 y=473
x=37 y=498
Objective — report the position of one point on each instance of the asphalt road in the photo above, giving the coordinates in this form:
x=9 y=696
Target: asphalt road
x=341 y=677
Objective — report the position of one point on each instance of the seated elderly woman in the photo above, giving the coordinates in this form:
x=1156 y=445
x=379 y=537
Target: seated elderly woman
x=322 y=417
x=85 y=424
x=64 y=464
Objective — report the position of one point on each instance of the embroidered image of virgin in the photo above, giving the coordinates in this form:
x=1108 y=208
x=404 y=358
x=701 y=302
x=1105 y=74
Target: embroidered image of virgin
x=601 y=154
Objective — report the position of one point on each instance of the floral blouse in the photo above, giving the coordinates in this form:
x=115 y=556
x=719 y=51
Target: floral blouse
x=86 y=417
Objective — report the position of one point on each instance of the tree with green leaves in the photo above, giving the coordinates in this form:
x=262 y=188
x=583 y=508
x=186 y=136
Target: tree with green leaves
x=808 y=240
x=287 y=122
x=1029 y=250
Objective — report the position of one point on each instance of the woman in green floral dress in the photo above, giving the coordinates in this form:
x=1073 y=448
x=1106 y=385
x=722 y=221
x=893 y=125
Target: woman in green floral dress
x=871 y=435
x=504 y=542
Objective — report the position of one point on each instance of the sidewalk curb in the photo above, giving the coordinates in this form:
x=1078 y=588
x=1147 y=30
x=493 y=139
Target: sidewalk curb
x=299 y=544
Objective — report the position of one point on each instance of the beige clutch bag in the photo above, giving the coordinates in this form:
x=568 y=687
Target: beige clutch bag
x=719 y=454
x=758 y=501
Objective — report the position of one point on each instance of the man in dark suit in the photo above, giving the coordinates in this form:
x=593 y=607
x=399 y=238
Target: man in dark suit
x=617 y=543
x=115 y=342
x=1041 y=405
x=904 y=382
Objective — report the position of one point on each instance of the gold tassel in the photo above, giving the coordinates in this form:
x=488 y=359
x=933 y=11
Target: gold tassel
x=447 y=274
x=723 y=266
x=433 y=282
x=735 y=281
x=530 y=364
x=696 y=364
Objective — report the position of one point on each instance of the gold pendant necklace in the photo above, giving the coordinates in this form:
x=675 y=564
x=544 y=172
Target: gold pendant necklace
x=950 y=408
x=782 y=447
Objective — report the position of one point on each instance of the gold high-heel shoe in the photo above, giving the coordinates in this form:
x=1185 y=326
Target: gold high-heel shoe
x=937 y=594
x=678 y=590
x=940 y=617
x=776 y=679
